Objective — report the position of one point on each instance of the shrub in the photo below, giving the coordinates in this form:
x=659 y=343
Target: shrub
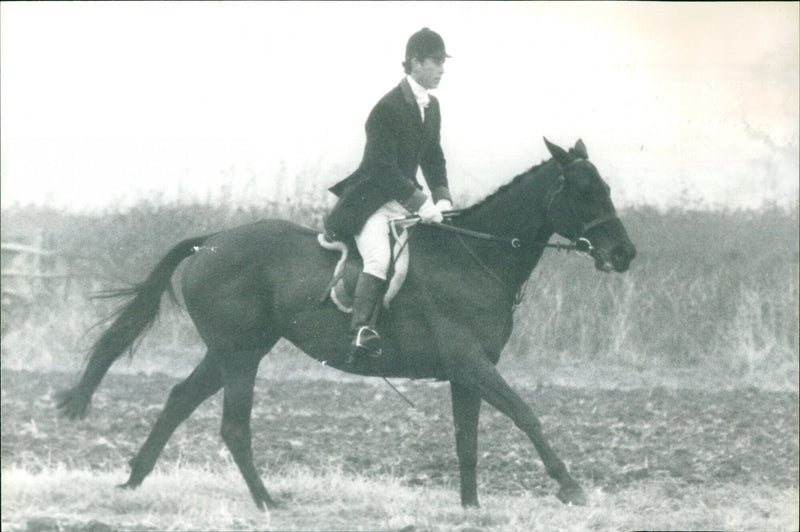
x=718 y=287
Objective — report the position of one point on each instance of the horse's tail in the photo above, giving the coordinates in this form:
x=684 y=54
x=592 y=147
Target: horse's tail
x=131 y=321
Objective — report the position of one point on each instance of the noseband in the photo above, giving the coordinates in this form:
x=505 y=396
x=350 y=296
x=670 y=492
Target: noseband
x=582 y=245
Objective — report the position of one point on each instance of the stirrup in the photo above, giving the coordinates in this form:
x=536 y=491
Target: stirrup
x=366 y=342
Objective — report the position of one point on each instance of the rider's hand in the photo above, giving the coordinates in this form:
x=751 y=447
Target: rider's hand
x=444 y=205
x=429 y=213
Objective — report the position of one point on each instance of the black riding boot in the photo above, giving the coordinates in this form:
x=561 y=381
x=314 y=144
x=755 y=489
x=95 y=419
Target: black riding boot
x=365 y=340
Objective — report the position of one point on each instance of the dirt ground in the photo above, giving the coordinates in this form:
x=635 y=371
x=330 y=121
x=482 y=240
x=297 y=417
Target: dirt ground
x=609 y=439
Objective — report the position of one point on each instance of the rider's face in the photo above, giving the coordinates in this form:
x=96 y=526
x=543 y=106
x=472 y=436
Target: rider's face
x=427 y=72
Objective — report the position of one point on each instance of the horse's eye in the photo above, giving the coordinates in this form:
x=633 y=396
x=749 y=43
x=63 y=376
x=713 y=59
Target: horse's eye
x=583 y=186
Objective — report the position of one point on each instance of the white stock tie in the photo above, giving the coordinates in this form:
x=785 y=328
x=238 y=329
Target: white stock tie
x=422 y=103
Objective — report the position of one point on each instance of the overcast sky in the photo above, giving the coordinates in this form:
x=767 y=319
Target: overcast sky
x=104 y=103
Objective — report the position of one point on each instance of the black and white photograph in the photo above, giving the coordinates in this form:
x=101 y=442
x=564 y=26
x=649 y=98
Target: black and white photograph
x=400 y=266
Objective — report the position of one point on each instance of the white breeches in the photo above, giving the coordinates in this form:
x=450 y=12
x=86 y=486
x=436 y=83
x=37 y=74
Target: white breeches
x=373 y=241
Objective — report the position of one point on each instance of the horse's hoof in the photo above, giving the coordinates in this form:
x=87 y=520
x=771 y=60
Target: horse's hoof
x=572 y=495
x=71 y=405
x=130 y=485
x=265 y=504
x=272 y=505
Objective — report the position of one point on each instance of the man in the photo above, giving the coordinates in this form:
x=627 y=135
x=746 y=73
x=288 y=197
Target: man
x=402 y=136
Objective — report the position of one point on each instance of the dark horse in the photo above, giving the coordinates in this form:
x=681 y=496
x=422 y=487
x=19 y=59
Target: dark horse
x=247 y=287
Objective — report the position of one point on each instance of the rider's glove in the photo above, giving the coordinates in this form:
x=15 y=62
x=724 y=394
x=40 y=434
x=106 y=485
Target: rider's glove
x=444 y=205
x=429 y=213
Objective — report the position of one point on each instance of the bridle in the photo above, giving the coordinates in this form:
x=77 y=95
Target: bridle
x=581 y=244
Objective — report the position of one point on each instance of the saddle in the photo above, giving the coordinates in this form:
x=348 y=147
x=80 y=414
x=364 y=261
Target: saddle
x=345 y=274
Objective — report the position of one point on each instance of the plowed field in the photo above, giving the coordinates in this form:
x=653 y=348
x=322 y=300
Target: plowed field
x=611 y=440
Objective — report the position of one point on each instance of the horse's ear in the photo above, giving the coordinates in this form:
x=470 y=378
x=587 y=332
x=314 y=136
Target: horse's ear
x=557 y=152
x=580 y=149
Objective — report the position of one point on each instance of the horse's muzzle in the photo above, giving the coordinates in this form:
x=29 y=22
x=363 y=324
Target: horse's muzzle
x=621 y=256
x=616 y=259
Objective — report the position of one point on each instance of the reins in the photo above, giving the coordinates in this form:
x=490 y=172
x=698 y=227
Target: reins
x=582 y=246
x=514 y=242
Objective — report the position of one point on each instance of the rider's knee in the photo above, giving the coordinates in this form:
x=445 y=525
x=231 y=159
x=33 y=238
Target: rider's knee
x=378 y=270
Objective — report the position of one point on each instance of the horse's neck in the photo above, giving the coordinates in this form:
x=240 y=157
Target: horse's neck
x=519 y=211
x=518 y=206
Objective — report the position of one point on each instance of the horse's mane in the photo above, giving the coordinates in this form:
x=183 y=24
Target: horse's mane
x=503 y=189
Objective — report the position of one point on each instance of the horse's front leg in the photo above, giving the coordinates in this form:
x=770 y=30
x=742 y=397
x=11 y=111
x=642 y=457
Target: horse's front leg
x=475 y=372
x=466 y=410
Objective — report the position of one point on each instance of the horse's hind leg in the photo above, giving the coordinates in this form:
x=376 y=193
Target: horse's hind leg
x=204 y=382
x=238 y=376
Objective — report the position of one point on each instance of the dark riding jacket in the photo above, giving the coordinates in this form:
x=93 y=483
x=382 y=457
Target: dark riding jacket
x=398 y=143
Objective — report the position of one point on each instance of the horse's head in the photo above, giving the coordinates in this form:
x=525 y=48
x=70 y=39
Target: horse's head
x=580 y=207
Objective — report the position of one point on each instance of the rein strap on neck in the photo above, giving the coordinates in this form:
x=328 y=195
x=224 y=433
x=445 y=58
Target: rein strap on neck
x=514 y=242
x=582 y=245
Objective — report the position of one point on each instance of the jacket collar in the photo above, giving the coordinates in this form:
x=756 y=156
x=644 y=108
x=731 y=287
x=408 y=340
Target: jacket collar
x=421 y=94
x=411 y=100
x=408 y=94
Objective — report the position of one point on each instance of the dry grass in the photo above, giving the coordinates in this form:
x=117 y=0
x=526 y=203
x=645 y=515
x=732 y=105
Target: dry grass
x=708 y=289
x=195 y=499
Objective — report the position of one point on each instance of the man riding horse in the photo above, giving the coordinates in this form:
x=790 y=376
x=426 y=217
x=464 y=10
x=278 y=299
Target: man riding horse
x=402 y=137
x=247 y=287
